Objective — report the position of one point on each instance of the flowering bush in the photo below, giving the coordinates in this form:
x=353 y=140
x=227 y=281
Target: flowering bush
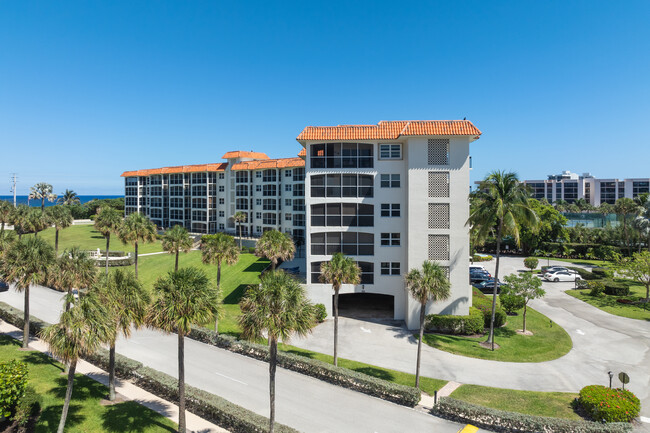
x=610 y=405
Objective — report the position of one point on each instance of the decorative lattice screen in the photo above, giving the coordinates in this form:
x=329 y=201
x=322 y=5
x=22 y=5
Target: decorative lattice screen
x=438 y=184
x=438 y=215
x=438 y=151
x=438 y=247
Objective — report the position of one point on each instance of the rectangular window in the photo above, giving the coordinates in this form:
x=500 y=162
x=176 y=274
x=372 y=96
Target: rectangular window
x=269 y=176
x=390 y=209
x=258 y=174
x=390 y=180
x=258 y=188
x=241 y=177
x=258 y=202
x=222 y=201
x=390 y=268
x=340 y=155
x=390 y=151
x=269 y=204
x=287 y=187
x=287 y=173
x=269 y=219
x=341 y=185
x=221 y=176
x=287 y=202
x=269 y=190
x=221 y=226
x=390 y=239
x=287 y=217
x=222 y=214
x=222 y=188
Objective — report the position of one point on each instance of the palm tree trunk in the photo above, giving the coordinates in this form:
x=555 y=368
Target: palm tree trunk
x=56 y=243
x=494 y=289
x=336 y=324
x=108 y=243
x=43 y=204
x=216 y=316
x=176 y=263
x=524 y=318
x=273 y=262
x=181 y=383
x=417 y=366
x=136 y=260
x=2 y=230
x=26 y=320
x=240 y=236
x=111 y=372
x=273 y=352
x=68 y=396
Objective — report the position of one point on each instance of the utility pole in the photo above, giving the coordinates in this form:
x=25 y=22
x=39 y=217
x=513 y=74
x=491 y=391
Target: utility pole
x=13 y=188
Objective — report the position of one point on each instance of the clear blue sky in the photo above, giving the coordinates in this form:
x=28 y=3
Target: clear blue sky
x=89 y=89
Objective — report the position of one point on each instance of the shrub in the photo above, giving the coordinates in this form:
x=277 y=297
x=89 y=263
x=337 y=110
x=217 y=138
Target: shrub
x=457 y=325
x=28 y=406
x=502 y=421
x=596 y=288
x=13 y=380
x=483 y=303
x=124 y=367
x=603 y=272
x=320 y=312
x=610 y=405
x=531 y=262
x=615 y=288
x=481 y=258
x=510 y=302
x=15 y=316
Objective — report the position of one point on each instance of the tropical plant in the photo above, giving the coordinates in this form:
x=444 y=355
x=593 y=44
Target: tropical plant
x=6 y=240
x=183 y=298
x=137 y=228
x=36 y=221
x=531 y=263
x=625 y=207
x=428 y=284
x=526 y=287
x=69 y=197
x=279 y=308
x=74 y=269
x=637 y=268
x=42 y=191
x=240 y=218
x=338 y=271
x=13 y=382
x=108 y=220
x=5 y=214
x=175 y=240
x=25 y=263
x=60 y=217
x=81 y=331
x=126 y=302
x=502 y=204
x=217 y=249
x=275 y=245
x=18 y=219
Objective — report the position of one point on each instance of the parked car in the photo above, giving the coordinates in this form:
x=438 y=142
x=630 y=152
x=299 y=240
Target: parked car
x=554 y=269
x=3 y=286
x=487 y=286
x=477 y=277
x=562 y=276
x=477 y=268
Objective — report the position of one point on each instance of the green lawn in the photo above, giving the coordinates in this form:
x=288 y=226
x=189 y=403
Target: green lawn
x=553 y=404
x=548 y=342
x=87 y=238
x=608 y=303
x=86 y=414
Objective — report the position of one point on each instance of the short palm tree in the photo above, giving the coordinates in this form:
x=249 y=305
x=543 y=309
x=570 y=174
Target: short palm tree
x=73 y=270
x=6 y=240
x=275 y=245
x=5 y=214
x=81 y=331
x=338 y=271
x=18 y=218
x=108 y=220
x=175 y=240
x=278 y=307
x=183 y=298
x=42 y=191
x=69 y=197
x=428 y=284
x=137 y=228
x=36 y=221
x=127 y=302
x=25 y=263
x=240 y=218
x=61 y=218
x=502 y=204
x=217 y=249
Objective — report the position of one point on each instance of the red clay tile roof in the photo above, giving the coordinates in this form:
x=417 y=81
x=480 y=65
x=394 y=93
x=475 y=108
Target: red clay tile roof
x=303 y=152
x=177 y=169
x=269 y=163
x=244 y=154
x=389 y=130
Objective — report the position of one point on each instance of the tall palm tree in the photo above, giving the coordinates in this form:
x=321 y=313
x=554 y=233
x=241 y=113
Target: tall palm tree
x=73 y=270
x=69 y=197
x=25 y=263
x=278 y=307
x=240 y=218
x=183 y=298
x=42 y=191
x=275 y=245
x=428 y=284
x=61 y=218
x=137 y=228
x=126 y=301
x=338 y=271
x=108 y=220
x=81 y=331
x=18 y=219
x=502 y=204
x=175 y=240
x=625 y=207
x=219 y=248
x=6 y=240
x=5 y=214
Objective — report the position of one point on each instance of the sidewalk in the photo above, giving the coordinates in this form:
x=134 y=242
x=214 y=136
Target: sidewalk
x=124 y=388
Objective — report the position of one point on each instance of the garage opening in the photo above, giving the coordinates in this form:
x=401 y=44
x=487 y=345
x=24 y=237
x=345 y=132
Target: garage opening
x=366 y=306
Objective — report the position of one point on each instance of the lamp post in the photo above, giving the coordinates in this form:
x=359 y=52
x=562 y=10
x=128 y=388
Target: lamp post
x=611 y=376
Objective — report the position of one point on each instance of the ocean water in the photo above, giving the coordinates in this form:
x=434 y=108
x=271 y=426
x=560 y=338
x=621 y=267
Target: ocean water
x=22 y=199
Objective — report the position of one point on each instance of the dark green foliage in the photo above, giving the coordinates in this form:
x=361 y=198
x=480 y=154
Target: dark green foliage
x=471 y=324
x=15 y=316
x=28 y=406
x=610 y=405
x=510 y=302
x=124 y=367
x=320 y=312
x=13 y=380
x=483 y=303
x=502 y=421
x=596 y=288
x=603 y=272
x=616 y=288
x=484 y=258
x=531 y=262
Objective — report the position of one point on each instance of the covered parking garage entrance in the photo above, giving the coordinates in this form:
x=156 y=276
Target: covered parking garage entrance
x=366 y=305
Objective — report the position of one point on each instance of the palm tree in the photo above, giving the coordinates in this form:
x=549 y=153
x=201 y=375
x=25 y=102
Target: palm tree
x=126 y=301
x=69 y=197
x=73 y=270
x=428 y=284
x=25 y=263
x=177 y=239
x=183 y=298
x=501 y=203
x=108 y=220
x=18 y=219
x=61 y=218
x=338 y=271
x=36 y=221
x=219 y=248
x=42 y=191
x=624 y=207
x=135 y=228
x=239 y=217
x=6 y=240
x=278 y=307
x=81 y=331
x=275 y=245
x=5 y=214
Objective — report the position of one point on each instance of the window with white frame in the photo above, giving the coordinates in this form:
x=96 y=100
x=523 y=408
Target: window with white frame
x=287 y=217
x=258 y=188
x=258 y=174
x=222 y=214
x=390 y=180
x=258 y=215
x=287 y=187
x=258 y=202
x=222 y=188
x=221 y=176
x=222 y=200
x=390 y=239
x=390 y=209
x=390 y=151
x=390 y=268
x=222 y=226
x=288 y=173
x=287 y=202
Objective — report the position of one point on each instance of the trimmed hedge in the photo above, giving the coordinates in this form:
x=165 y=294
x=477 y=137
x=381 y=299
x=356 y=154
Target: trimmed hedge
x=15 y=316
x=471 y=324
x=483 y=303
x=502 y=421
x=610 y=405
x=614 y=288
x=603 y=272
x=400 y=394
x=485 y=258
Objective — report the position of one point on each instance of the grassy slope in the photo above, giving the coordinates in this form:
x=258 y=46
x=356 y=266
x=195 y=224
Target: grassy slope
x=547 y=343
x=86 y=414
x=609 y=304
